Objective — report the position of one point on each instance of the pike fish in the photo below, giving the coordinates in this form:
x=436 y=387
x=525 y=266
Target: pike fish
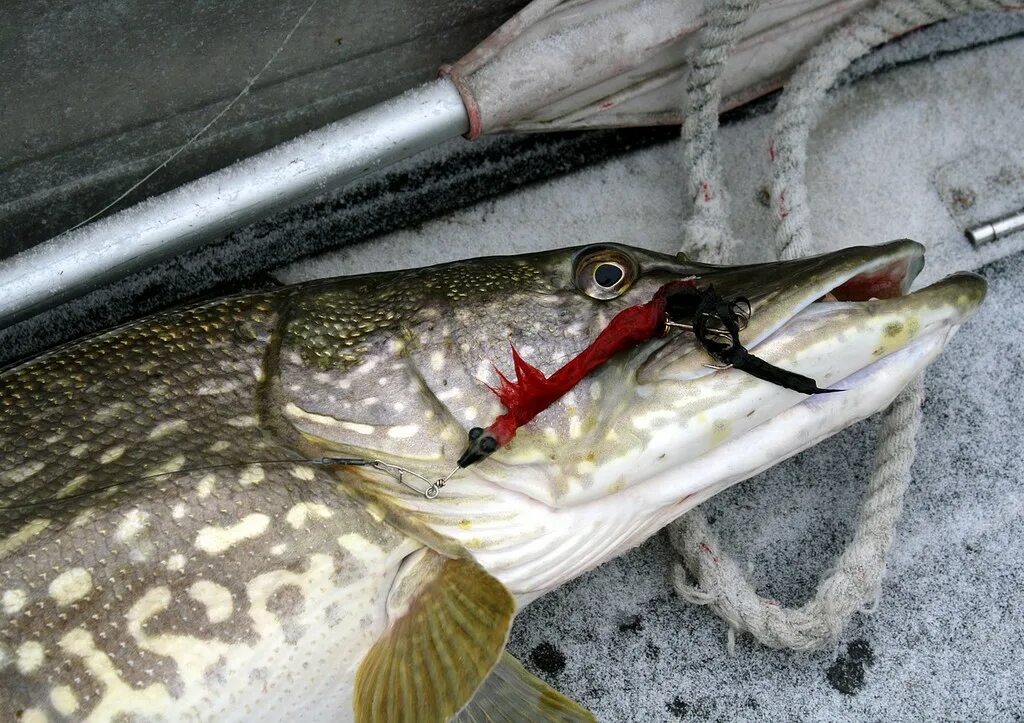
x=172 y=546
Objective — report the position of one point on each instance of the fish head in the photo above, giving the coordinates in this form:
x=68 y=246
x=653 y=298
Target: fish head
x=656 y=429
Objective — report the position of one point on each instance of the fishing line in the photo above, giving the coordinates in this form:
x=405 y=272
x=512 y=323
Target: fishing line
x=245 y=91
x=397 y=471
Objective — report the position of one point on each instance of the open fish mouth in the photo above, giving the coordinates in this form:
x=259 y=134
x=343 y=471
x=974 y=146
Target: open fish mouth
x=874 y=280
x=844 y=319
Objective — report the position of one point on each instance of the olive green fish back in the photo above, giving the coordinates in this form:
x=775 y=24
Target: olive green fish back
x=161 y=552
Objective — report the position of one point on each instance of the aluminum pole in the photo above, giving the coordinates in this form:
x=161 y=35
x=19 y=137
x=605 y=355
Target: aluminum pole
x=79 y=261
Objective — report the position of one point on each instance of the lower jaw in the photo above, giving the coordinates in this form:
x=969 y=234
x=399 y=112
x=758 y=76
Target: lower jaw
x=666 y=496
x=648 y=506
x=682 y=487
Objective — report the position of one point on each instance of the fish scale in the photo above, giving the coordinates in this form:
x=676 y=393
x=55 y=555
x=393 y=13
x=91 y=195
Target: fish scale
x=162 y=534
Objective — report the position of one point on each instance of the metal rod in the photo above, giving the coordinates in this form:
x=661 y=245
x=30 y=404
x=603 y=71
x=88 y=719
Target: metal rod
x=76 y=262
x=992 y=230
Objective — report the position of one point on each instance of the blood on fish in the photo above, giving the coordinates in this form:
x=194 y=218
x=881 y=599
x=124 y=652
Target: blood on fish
x=532 y=392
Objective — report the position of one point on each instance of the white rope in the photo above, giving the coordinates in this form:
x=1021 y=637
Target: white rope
x=706 y=574
x=706 y=232
x=855 y=580
x=803 y=101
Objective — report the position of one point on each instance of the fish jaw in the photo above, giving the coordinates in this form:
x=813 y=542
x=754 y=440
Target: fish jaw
x=834 y=343
x=533 y=546
x=778 y=291
x=569 y=541
x=794 y=429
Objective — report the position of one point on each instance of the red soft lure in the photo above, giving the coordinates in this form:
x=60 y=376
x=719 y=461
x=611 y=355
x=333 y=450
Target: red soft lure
x=532 y=392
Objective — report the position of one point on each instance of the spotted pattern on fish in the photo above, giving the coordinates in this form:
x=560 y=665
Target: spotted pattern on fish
x=170 y=549
x=153 y=578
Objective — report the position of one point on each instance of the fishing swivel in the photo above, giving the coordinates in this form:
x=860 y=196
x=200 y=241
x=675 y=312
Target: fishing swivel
x=398 y=472
x=713 y=320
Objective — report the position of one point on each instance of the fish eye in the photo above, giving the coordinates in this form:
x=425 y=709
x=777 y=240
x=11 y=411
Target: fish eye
x=604 y=273
x=608 y=274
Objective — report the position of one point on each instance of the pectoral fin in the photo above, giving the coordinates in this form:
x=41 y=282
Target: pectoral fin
x=511 y=693
x=451 y=620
